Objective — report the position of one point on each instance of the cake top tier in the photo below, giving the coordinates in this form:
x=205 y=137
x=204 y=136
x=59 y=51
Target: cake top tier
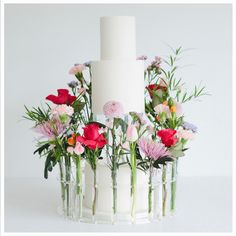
x=118 y=38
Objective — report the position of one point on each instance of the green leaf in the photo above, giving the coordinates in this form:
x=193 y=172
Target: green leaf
x=78 y=105
x=120 y=122
x=42 y=148
x=162 y=161
x=177 y=153
x=49 y=164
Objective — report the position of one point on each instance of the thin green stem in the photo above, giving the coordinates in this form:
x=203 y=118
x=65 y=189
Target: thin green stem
x=150 y=188
x=68 y=173
x=173 y=186
x=95 y=191
x=114 y=171
x=62 y=184
x=164 y=190
x=94 y=168
x=79 y=183
x=133 y=178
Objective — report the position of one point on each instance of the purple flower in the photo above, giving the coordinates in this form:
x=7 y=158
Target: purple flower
x=152 y=149
x=50 y=129
x=113 y=109
x=73 y=84
x=156 y=64
x=87 y=63
x=189 y=126
x=158 y=60
x=143 y=57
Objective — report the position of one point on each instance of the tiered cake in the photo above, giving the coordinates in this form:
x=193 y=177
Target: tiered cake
x=117 y=76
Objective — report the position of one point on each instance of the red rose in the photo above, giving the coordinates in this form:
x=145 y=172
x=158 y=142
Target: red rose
x=168 y=137
x=154 y=87
x=92 y=138
x=63 y=97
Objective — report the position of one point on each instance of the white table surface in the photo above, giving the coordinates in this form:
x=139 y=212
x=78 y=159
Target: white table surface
x=204 y=205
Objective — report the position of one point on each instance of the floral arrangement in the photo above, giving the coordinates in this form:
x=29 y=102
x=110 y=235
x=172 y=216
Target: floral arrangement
x=70 y=134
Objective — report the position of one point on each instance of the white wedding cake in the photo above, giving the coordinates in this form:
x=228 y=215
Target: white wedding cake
x=117 y=76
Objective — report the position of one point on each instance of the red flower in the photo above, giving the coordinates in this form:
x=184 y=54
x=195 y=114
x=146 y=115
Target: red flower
x=154 y=87
x=63 y=97
x=92 y=138
x=168 y=137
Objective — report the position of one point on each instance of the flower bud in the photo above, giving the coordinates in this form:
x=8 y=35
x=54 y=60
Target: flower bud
x=131 y=133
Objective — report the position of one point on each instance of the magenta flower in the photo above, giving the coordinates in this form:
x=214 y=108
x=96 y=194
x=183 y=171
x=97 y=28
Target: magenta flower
x=50 y=129
x=113 y=109
x=152 y=149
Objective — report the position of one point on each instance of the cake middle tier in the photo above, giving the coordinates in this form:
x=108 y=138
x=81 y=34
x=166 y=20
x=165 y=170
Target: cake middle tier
x=121 y=81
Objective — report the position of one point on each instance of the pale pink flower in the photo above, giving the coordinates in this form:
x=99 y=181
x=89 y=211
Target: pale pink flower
x=131 y=133
x=152 y=149
x=79 y=149
x=82 y=91
x=159 y=109
x=50 y=129
x=179 y=111
x=70 y=150
x=185 y=134
x=63 y=110
x=77 y=69
x=113 y=109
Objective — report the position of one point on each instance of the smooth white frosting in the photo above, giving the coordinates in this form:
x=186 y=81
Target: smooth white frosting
x=121 y=81
x=104 y=185
x=118 y=38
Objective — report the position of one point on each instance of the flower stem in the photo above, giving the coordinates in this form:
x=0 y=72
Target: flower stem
x=133 y=179
x=173 y=186
x=150 y=189
x=164 y=191
x=68 y=172
x=95 y=189
x=79 y=184
x=114 y=172
x=62 y=185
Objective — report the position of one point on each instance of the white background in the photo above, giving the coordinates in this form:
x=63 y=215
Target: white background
x=42 y=42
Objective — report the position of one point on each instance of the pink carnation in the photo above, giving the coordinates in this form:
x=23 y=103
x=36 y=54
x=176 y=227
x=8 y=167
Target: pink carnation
x=113 y=109
x=63 y=110
x=77 y=69
x=185 y=134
